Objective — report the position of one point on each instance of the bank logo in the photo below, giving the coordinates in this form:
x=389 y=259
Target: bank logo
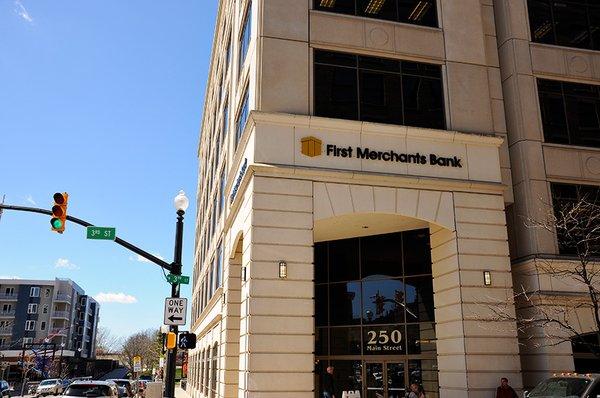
x=311 y=146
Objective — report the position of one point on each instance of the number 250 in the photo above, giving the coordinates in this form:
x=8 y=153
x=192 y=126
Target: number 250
x=395 y=336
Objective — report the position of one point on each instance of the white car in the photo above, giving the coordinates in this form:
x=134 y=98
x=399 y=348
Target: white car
x=50 y=387
x=92 y=389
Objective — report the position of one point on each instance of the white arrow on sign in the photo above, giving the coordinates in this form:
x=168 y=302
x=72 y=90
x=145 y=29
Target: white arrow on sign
x=175 y=311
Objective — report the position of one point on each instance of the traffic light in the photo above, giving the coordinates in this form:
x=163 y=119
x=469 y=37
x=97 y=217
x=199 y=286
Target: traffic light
x=171 y=340
x=59 y=212
x=187 y=341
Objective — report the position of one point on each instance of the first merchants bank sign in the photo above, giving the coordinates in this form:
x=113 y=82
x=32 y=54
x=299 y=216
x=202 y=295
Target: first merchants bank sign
x=313 y=147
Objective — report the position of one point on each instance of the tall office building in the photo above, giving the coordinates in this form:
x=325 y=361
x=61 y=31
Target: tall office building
x=53 y=311
x=366 y=170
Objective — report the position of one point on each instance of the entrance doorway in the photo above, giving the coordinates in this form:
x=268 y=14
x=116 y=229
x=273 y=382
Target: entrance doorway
x=386 y=379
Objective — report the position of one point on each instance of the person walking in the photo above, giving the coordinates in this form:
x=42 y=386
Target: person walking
x=328 y=383
x=504 y=390
x=416 y=391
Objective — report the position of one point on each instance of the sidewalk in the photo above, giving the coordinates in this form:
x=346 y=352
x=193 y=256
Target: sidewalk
x=180 y=392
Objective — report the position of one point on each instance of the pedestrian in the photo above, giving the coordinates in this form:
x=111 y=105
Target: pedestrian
x=328 y=383
x=416 y=391
x=504 y=390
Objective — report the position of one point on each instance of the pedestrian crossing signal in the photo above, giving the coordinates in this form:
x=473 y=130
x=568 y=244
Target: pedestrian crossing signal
x=59 y=212
x=187 y=341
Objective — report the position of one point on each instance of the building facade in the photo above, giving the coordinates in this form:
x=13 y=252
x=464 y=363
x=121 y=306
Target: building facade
x=366 y=167
x=53 y=311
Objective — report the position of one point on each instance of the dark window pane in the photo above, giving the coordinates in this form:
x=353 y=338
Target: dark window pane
x=320 y=262
x=344 y=303
x=381 y=256
x=348 y=375
x=417 y=252
x=334 y=58
x=380 y=97
x=540 y=19
x=338 y=6
x=595 y=26
x=420 y=12
x=383 y=301
x=395 y=380
x=345 y=341
x=379 y=64
x=321 y=305
x=571 y=24
x=584 y=121
x=418 y=69
x=380 y=9
x=343 y=260
x=420 y=339
x=336 y=92
x=322 y=341
x=423 y=102
x=554 y=119
x=419 y=299
x=425 y=373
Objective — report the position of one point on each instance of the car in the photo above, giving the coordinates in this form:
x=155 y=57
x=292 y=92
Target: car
x=5 y=389
x=571 y=385
x=49 y=387
x=124 y=386
x=92 y=388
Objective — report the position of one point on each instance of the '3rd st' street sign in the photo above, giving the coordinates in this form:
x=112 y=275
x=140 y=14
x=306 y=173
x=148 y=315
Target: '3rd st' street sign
x=175 y=311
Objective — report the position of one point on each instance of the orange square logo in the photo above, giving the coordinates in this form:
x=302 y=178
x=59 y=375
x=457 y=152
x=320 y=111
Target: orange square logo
x=311 y=146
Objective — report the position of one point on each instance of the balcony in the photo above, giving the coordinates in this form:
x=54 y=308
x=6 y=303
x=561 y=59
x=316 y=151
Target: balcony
x=7 y=314
x=8 y=296
x=6 y=330
x=58 y=332
x=61 y=314
x=65 y=298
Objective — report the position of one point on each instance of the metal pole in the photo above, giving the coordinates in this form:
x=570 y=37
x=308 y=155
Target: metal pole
x=171 y=362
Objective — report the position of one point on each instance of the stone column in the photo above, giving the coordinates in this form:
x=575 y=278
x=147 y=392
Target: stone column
x=474 y=351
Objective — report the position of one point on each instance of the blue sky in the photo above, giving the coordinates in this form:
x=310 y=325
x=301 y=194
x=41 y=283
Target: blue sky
x=103 y=100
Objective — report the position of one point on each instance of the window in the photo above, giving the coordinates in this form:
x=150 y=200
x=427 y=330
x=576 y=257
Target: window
x=378 y=90
x=34 y=292
x=225 y=122
x=214 y=366
x=571 y=23
x=206 y=368
x=242 y=118
x=570 y=239
x=245 y=38
x=32 y=309
x=583 y=355
x=42 y=326
x=27 y=340
x=45 y=309
x=29 y=325
x=219 y=271
x=570 y=112
x=46 y=292
x=222 y=191
x=7 y=308
x=417 y=12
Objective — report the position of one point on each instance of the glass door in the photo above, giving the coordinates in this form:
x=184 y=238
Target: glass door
x=374 y=380
x=395 y=376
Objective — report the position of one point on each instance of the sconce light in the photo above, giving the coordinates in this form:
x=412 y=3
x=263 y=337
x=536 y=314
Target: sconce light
x=487 y=278
x=243 y=274
x=282 y=269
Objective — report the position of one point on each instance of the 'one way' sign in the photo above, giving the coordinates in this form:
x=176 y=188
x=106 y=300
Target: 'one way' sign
x=175 y=311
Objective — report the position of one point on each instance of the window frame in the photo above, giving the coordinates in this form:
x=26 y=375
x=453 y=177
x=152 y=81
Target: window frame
x=32 y=308
x=30 y=325
x=34 y=291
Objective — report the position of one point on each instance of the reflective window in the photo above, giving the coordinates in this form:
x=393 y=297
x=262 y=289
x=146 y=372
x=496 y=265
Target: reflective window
x=570 y=112
x=417 y=12
x=245 y=38
x=242 y=117
x=378 y=90
x=565 y=23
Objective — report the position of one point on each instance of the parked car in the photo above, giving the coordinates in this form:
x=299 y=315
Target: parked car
x=5 y=389
x=124 y=386
x=570 y=385
x=89 y=388
x=49 y=387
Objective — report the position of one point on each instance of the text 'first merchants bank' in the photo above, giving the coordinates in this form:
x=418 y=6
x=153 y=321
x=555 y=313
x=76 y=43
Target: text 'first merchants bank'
x=392 y=156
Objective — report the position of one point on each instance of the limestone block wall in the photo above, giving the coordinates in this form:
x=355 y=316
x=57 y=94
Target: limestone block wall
x=276 y=322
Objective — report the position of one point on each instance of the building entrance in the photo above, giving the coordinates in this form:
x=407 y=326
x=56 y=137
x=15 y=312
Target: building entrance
x=374 y=314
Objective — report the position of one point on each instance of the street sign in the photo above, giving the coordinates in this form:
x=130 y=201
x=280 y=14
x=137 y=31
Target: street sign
x=137 y=364
x=179 y=279
x=103 y=233
x=175 y=311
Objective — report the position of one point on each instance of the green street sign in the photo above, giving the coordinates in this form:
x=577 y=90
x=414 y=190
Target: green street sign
x=179 y=279
x=103 y=233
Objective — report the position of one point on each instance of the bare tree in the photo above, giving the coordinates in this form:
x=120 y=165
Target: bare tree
x=106 y=342
x=144 y=344
x=548 y=318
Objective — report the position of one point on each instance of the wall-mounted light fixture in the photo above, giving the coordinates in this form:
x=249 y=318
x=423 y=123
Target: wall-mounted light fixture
x=487 y=278
x=282 y=269
x=243 y=274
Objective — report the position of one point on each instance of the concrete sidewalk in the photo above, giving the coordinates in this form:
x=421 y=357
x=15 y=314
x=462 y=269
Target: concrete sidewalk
x=180 y=392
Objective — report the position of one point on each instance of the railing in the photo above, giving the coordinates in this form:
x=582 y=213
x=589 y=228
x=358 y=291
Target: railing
x=59 y=332
x=8 y=296
x=61 y=314
x=7 y=313
x=6 y=330
x=63 y=297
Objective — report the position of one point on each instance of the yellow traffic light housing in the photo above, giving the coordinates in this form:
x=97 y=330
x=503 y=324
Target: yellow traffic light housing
x=59 y=212
x=171 y=340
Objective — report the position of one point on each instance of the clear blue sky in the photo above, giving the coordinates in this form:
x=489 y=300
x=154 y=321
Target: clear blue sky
x=103 y=100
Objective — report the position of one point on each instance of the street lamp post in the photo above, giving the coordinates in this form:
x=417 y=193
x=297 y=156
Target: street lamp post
x=181 y=204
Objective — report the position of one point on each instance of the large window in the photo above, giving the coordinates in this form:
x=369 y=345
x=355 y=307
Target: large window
x=418 y=12
x=570 y=112
x=380 y=90
x=565 y=23
x=575 y=232
x=242 y=118
x=245 y=37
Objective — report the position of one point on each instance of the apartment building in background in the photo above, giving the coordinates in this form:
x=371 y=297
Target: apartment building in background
x=366 y=171
x=53 y=311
